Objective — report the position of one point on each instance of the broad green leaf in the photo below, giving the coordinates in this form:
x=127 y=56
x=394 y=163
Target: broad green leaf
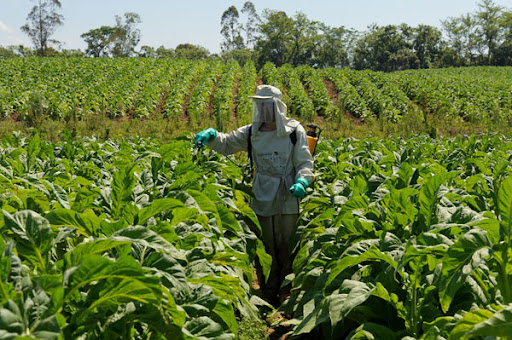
x=265 y=260
x=11 y=319
x=433 y=329
x=468 y=321
x=370 y=330
x=199 y=299
x=228 y=219
x=122 y=186
x=84 y=199
x=96 y=247
x=201 y=201
x=319 y=220
x=315 y=312
x=232 y=258
x=225 y=310
x=204 y=328
x=428 y=199
x=146 y=154
x=226 y=287
x=157 y=206
x=112 y=283
x=60 y=194
x=499 y=325
x=183 y=214
x=464 y=256
x=247 y=213
x=31 y=319
x=348 y=261
x=109 y=228
x=359 y=186
x=491 y=226
x=86 y=223
x=351 y=294
x=145 y=237
x=172 y=273
x=33 y=235
x=412 y=251
x=405 y=175
x=505 y=206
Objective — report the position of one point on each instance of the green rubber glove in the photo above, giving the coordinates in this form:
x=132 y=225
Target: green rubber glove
x=299 y=188
x=204 y=137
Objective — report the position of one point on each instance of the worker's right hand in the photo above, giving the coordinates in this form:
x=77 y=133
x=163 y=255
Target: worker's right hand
x=205 y=136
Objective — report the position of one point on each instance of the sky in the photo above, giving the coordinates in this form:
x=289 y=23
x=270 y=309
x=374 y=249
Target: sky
x=169 y=23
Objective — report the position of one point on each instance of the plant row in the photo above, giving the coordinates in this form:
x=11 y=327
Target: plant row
x=137 y=87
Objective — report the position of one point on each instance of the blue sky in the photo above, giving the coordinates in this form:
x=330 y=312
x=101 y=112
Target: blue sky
x=170 y=23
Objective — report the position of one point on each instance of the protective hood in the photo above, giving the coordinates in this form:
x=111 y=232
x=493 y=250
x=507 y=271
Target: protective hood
x=267 y=105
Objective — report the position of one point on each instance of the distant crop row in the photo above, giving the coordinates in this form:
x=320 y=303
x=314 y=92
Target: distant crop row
x=191 y=91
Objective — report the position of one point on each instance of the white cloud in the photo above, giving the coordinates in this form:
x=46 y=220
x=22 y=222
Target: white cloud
x=4 y=28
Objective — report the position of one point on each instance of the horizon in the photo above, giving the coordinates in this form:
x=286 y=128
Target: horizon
x=167 y=26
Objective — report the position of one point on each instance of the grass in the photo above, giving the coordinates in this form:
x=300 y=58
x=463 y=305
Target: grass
x=414 y=123
x=252 y=330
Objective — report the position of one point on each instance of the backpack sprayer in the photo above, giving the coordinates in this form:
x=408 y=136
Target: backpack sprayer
x=313 y=137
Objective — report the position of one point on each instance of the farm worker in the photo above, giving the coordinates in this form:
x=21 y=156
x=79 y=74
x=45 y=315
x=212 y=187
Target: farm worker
x=283 y=170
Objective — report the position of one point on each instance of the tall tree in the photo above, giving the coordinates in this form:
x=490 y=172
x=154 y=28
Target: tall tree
x=490 y=31
x=128 y=34
x=100 y=41
x=463 y=38
x=42 y=22
x=274 y=42
x=251 y=23
x=191 y=52
x=231 y=30
x=387 y=48
x=333 y=46
x=427 y=45
x=303 y=39
x=117 y=41
x=503 y=53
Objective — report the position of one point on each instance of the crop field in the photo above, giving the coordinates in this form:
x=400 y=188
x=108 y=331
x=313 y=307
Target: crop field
x=135 y=238
x=213 y=92
x=140 y=238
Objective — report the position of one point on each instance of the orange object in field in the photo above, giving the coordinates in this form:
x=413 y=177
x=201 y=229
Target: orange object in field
x=312 y=137
x=312 y=144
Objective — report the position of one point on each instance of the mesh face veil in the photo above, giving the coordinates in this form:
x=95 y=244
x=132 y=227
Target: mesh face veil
x=263 y=111
x=267 y=107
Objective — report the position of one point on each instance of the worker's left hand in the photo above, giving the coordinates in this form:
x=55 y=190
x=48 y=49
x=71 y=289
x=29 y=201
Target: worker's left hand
x=299 y=188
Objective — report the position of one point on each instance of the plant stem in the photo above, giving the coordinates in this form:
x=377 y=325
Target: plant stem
x=506 y=293
x=414 y=300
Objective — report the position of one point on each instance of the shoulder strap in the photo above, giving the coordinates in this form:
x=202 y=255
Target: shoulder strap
x=293 y=137
x=249 y=146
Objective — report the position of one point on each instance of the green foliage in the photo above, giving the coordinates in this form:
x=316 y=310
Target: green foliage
x=398 y=238
x=117 y=239
x=177 y=93
x=135 y=238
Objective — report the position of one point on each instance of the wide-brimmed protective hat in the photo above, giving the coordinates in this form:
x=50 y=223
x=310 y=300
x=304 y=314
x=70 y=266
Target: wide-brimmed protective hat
x=267 y=92
x=270 y=93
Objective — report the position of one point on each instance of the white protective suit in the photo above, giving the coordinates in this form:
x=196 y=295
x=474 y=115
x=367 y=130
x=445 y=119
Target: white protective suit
x=277 y=162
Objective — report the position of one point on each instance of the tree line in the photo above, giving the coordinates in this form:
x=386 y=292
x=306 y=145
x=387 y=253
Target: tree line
x=483 y=37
